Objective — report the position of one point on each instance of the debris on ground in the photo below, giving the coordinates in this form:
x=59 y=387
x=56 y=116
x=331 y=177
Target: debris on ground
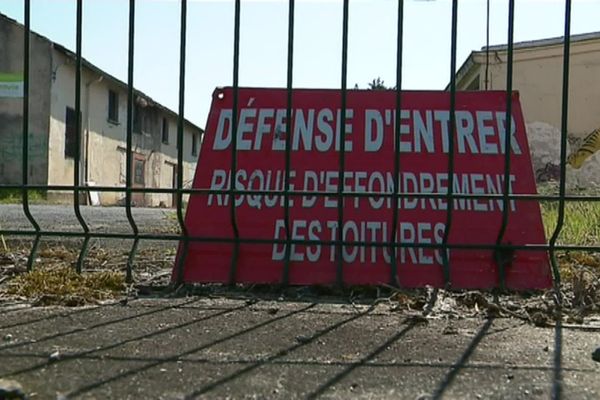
x=54 y=281
x=11 y=390
x=596 y=355
x=54 y=356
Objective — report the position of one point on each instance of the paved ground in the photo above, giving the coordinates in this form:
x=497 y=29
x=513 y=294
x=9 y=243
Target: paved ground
x=99 y=219
x=220 y=347
x=225 y=348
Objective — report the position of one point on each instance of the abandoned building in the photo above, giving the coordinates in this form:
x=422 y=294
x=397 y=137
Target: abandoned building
x=103 y=152
x=538 y=76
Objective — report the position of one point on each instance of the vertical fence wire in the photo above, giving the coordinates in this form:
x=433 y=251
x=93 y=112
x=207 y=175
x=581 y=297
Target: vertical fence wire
x=78 y=139
x=563 y=149
x=342 y=153
x=234 y=121
x=487 y=45
x=394 y=279
x=451 y=134
x=288 y=136
x=25 y=152
x=78 y=189
x=180 y=125
x=129 y=157
x=504 y=257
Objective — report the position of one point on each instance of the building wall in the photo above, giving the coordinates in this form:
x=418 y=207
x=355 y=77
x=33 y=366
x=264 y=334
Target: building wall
x=11 y=109
x=62 y=93
x=538 y=76
x=168 y=161
x=104 y=141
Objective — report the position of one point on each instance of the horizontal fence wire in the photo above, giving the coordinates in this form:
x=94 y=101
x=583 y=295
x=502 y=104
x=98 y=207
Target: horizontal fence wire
x=236 y=192
x=451 y=200
x=381 y=244
x=274 y=193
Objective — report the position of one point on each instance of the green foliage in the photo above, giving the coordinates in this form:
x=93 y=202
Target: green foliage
x=581 y=222
x=581 y=218
x=15 y=196
x=377 y=84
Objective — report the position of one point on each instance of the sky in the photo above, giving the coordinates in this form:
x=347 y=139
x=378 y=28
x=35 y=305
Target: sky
x=263 y=45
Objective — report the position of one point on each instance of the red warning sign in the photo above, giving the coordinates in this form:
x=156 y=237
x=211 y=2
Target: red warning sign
x=369 y=142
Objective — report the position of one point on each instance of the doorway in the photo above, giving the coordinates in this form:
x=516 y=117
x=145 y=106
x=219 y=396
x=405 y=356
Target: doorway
x=139 y=179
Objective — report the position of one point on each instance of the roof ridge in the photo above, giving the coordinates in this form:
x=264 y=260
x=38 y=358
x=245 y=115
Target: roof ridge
x=546 y=41
x=88 y=64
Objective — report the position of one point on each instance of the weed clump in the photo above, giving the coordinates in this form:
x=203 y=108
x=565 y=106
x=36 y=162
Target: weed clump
x=64 y=286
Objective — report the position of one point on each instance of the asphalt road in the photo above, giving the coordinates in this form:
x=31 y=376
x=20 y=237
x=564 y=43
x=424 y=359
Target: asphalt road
x=99 y=219
x=226 y=348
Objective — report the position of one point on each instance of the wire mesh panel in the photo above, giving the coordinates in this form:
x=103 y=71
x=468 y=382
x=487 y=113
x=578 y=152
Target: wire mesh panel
x=501 y=248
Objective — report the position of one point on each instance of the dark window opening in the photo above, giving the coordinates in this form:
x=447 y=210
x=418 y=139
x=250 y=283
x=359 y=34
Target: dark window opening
x=194 y=144
x=474 y=85
x=137 y=119
x=165 y=131
x=70 y=133
x=138 y=172
x=113 y=106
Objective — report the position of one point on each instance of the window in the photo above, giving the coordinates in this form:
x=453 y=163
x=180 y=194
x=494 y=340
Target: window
x=194 y=144
x=137 y=119
x=70 y=133
x=138 y=172
x=474 y=85
x=113 y=106
x=165 y=131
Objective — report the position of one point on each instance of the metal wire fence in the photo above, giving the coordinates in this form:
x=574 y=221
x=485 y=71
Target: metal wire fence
x=499 y=246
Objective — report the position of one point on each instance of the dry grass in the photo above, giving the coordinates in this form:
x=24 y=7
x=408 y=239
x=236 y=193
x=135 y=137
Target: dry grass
x=55 y=281
x=62 y=285
x=580 y=273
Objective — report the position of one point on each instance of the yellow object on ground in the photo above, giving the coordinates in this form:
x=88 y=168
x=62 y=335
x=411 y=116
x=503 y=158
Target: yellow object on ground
x=591 y=144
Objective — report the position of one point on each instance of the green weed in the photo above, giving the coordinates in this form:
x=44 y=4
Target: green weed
x=581 y=222
x=15 y=196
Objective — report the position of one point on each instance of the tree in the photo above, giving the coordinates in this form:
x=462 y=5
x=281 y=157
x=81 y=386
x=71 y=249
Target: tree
x=377 y=84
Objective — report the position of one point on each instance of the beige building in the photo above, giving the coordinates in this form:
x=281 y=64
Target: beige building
x=538 y=76
x=52 y=123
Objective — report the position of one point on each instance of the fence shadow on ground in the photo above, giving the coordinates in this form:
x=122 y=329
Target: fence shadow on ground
x=175 y=357
x=462 y=361
x=245 y=364
x=557 y=388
